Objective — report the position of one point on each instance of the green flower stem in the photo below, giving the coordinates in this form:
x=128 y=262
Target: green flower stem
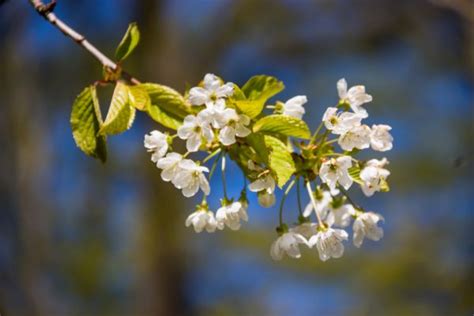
x=315 y=135
x=332 y=154
x=245 y=181
x=330 y=141
x=313 y=201
x=213 y=168
x=323 y=137
x=223 y=177
x=215 y=152
x=298 y=193
x=288 y=188
x=346 y=194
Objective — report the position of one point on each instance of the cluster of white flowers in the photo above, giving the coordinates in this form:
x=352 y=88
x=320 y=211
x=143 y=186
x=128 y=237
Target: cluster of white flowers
x=353 y=134
x=215 y=118
x=332 y=212
x=328 y=236
x=217 y=126
x=229 y=214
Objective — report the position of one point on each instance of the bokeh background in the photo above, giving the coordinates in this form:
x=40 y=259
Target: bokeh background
x=81 y=238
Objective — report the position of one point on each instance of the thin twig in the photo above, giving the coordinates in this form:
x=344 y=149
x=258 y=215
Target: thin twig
x=46 y=11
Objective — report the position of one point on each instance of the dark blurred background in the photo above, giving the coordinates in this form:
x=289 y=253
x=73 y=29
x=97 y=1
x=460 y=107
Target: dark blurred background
x=81 y=238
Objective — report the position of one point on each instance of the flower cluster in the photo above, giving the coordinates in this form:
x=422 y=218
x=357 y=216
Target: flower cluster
x=226 y=120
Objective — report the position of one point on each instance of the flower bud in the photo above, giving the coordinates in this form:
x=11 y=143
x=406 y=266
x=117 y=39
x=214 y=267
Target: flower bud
x=266 y=199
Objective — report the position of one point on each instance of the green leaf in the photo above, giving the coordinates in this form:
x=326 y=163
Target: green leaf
x=167 y=106
x=262 y=86
x=238 y=93
x=85 y=123
x=164 y=118
x=354 y=172
x=284 y=125
x=168 y=99
x=257 y=142
x=279 y=160
x=257 y=91
x=121 y=114
x=241 y=154
x=138 y=97
x=129 y=42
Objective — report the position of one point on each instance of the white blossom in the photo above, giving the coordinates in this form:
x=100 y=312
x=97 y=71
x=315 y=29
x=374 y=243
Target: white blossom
x=157 y=144
x=340 y=122
x=307 y=230
x=214 y=115
x=380 y=137
x=340 y=216
x=265 y=186
x=335 y=170
x=233 y=125
x=322 y=199
x=190 y=178
x=212 y=91
x=194 y=129
x=355 y=97
x=294 y=106
x=287 y=243
x=374 y=175
x=266 y=199
x=170 y=165
x=328 y=241
x=202 y=219
x=231 y=214
x=357 y=137
x=265 y=181
x=365 y=226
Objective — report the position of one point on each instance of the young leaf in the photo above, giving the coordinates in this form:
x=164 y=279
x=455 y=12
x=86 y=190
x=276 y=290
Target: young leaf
x=167 y=106
x=257 y=91
x=241 y=154
x=129 y=42
x=279 y=160
x=257 y=142
x=284 y=125
x=85 y=123
x=121 y=114
x=167 y=99
x=238 y=93
x=138 y=97
x=262 y=86
x=164 y=118
x=354 y=172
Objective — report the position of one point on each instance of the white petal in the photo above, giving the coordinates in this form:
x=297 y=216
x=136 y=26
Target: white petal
x=198 y=96
x=204 y=184
x=227 y=136
x=225 y=91
x=211 y=82
x=342 y=88
x=193 y=143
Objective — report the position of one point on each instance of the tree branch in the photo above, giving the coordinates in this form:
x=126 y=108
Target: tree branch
x=46 y=11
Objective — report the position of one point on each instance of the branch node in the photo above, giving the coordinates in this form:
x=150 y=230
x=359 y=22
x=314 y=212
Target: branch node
x=45 y=9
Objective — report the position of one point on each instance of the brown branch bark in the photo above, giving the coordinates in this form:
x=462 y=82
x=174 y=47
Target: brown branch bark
x=46 y=11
